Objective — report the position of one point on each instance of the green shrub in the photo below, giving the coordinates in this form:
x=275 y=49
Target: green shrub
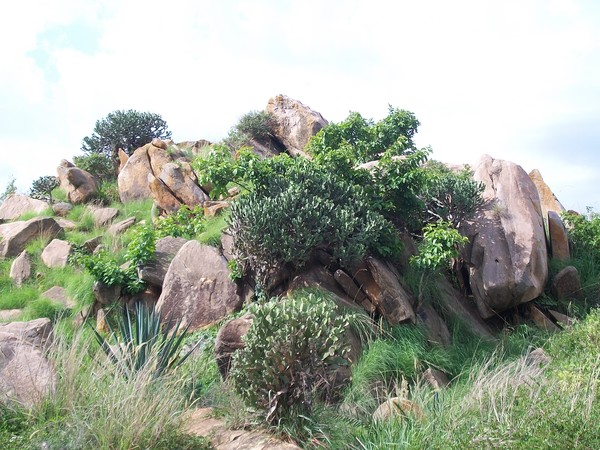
x=42 y=188
x=292 y=351
x=299 y=209
x=441 y=242
x=97 y=164
x=253 y=125
x=108 y=192
x=186 y=222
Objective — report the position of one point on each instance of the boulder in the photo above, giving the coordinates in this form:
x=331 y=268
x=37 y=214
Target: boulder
x=436 y=328
x=26 y=376
x=62 y=209
x=104 y=216
x=20 y=269
x=229 y=340
x=458 y=309
x=558 y=237
x=148 y=298
x=395 y=407
x=436 y=378
x=66 y=225
x=267 y=147
x=227 y=245
x=123 y=158
x=393 y=301
x=154 y=272
x=293 y=123
x=91 y=244
x=21 y=233
x=121 y=227
x=540 y=319
x=59 y=294
x=562 y=319
x=16 y=205
x=8 y=315
x=163 y=197
x=79 y=185
x=353 y=291
x=548 y=200
x=197 y=289
x=213 y=208
x=105 y=295
x=567 y=285
x=36 y=332
x=181 y=181
x=56 y=253
x=507 y=256
x=133 y=177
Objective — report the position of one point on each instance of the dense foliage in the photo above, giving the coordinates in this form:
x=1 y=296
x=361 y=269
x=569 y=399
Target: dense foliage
x=127 y=130
x=584 y=232
x=291 y=354
x=42 y=188
x=100 y=165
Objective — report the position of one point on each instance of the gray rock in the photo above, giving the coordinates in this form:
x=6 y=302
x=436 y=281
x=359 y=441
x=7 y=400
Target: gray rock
x=154 y=272
x=62 y=209
x=104 y=216
x=197 y=288
x=79 y=185
x=507 y=256
x=56 y=253
x=293 y=123
x=21 y=233
x=20 y=270
x=566 y=284
x=36 y=332
x=16 y=205
x=121 y=227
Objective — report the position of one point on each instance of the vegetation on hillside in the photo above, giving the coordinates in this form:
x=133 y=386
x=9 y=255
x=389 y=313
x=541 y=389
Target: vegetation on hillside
x=365 y=184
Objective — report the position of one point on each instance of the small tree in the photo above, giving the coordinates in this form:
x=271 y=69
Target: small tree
x=42 y=188
x=127 y=130
x=10 y=189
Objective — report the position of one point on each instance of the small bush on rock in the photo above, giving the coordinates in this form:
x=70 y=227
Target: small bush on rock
x=292 y=352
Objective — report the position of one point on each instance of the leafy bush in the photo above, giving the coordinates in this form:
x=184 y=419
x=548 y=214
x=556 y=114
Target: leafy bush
x=441 y=242
x=42 y=188
x=142 y=342
x=127 y=130
x=298 y=209
x=253 y=125
x=292 y=351
x=99 y=165
x=185 y=222
x=450 y=196
x=584 y=232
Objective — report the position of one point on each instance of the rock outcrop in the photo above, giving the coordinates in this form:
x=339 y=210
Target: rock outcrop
x=197 y=289
x=16 y=205
x=293 y=123
x=165 y=176
x=21 y=233
x=507 y=256
x=79 y=185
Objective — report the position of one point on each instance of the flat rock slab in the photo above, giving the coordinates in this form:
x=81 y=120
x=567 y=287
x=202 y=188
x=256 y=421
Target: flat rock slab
x=200 y=423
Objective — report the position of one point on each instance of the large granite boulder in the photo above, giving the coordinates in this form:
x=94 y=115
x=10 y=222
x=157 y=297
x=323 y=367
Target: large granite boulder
x=154 y=272
x=293 y=123
x=229 y=340
x=548 y=200
x=79 y=185
x=197 y=289
x=16 y=205
x=164 y=175
x=558 y=237
x=21 y=233
x=507 y=256
x=36 y=332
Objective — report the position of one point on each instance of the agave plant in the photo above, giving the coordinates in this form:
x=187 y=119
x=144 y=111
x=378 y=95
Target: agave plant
x=141 y=341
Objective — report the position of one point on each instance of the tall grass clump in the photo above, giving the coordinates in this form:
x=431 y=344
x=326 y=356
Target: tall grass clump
x=95 y=407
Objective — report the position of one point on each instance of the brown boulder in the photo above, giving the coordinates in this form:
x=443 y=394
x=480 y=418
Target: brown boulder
x=59 y=295
x=558 y=237
x=56 y=253
x=507 y=256
x=123 y=158
x=567 y=285
x=393 y=301
x=21 y=233
x=181 y=182
x=230 y=338
x=79 y=185
x=121 y=227
x=293 y=123
x=540 y=319
x=104 y=216
x=133 y=177
x=36 y=332
x=16 y=205
x=20 y=269
x=197 y=288
x=548 y=200
x=163 y=197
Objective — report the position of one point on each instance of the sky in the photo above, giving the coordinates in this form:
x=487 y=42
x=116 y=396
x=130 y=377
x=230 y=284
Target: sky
x=518 y=80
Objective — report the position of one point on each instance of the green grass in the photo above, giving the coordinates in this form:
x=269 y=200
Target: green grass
x=141 y=210
x=43 y=307
x=48 y=212
x=213 y=228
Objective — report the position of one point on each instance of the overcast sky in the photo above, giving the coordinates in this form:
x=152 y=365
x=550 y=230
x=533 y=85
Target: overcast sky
x=519 y=80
